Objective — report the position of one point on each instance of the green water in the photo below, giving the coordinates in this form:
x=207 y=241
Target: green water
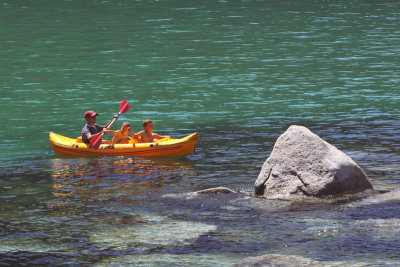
x=239 y=73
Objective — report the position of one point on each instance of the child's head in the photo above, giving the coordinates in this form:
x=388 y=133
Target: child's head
x=125 y=127
x=146 y=122
x=148 y=125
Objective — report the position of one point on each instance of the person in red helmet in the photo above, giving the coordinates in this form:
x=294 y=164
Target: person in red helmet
x=91 y=128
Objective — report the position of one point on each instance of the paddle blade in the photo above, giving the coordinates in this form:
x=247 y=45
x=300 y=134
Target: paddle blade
x=96 y=141
x=124 y=107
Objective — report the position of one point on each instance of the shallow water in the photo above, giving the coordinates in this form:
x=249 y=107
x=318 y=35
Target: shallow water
x=239 y=73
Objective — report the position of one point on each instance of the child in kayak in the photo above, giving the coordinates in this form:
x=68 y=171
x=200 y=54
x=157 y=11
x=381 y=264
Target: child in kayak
x=121 y=136
x=147 y=136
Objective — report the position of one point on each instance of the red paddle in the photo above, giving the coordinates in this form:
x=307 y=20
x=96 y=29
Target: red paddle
x=96 y=140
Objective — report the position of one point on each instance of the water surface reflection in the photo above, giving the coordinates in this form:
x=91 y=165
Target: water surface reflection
x=108 y=180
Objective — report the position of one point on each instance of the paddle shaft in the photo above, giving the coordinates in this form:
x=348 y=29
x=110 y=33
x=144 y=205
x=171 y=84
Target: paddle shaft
x=112 y=121
x=96 y=140
x=109 y=125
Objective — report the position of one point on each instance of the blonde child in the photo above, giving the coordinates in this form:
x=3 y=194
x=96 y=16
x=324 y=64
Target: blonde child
x=121 y=136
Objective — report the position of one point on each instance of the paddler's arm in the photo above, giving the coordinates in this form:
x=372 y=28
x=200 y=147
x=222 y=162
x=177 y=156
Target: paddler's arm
x=132 y=133
x=139 y=136
x=89 y=136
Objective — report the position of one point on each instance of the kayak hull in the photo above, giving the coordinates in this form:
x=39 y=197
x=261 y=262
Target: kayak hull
x=162 y=148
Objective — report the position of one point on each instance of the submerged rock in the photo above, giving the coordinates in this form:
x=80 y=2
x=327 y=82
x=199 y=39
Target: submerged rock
x=210 y=191
x=216 y=191
x=293 y=260
x=302 y=164
x=276 y=260
x=161 y=259
x=152 y=234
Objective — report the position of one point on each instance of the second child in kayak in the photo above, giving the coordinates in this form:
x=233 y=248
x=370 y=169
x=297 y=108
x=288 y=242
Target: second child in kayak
x=147 y=136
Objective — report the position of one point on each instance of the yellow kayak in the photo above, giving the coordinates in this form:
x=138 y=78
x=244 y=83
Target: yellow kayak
x=161 y=148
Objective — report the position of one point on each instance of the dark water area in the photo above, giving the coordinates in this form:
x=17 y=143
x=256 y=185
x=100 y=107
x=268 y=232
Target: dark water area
x=239 y=73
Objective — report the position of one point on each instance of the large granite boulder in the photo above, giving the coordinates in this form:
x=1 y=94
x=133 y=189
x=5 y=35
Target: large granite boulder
x=302 y=164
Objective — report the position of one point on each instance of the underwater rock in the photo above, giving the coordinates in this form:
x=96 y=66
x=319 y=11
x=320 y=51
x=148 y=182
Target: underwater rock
x=303 y=165
x=216 y=191
x=160 y=259
x=210 y=191
x=152 y=234
x=293 y=260
x=275 y=260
